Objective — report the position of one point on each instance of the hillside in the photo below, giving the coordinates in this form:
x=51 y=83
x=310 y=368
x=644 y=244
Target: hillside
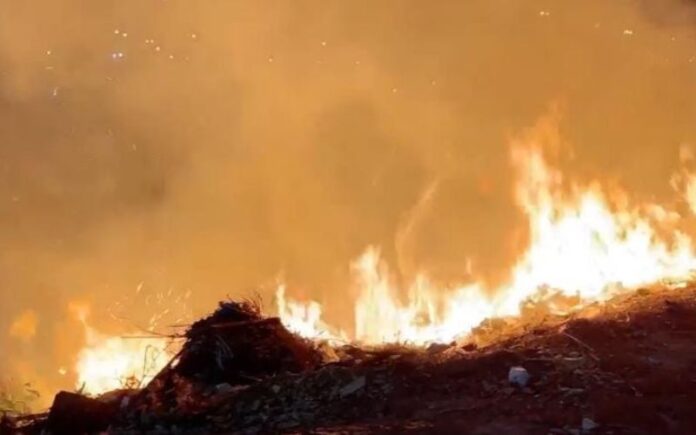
x=624 y=367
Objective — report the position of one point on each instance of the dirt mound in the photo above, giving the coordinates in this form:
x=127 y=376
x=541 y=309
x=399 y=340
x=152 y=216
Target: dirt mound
x=624 y=367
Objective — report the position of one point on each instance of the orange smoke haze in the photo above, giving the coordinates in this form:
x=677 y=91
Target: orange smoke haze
x=158 y=156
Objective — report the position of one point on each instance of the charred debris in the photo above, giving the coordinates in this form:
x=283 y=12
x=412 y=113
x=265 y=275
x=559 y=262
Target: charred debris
x=237 y=370
x=621 y=367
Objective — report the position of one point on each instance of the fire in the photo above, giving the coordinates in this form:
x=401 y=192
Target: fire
x=107 y=362
x=305 y=319
x=585 y=241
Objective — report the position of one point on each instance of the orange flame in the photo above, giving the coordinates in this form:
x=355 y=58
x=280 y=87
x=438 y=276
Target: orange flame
x=579 y=246
x=585 y=241
x=108 y=363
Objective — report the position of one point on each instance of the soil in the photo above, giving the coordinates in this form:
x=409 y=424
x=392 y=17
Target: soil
x=627 y=366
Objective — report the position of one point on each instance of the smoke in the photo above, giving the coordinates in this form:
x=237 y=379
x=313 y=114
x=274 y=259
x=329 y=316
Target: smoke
x=211 y=147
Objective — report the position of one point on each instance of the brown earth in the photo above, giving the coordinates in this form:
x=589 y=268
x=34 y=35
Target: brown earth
x=629 y=366
x=624 y=367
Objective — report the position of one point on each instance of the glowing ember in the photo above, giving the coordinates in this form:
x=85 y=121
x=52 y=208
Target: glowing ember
x=112 y=362
x=579 y=245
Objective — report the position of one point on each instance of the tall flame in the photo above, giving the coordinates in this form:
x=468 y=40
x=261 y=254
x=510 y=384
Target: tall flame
x=585 y=241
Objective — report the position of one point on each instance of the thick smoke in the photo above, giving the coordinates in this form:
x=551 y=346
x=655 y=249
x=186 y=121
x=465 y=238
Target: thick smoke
x=215 y=146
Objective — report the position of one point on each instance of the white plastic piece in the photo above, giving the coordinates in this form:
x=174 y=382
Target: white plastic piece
x=518 y=376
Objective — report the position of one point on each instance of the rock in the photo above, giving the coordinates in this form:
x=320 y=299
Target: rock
x=437 y=348
x=327 y=353
x=588 y=425
x=518 y=376
x=288 y=424
x=487 y=387
x=573 y=363
x=224 y=388
x=357 y=384
x=470 y=347
x=74 y=413
x=571 y=391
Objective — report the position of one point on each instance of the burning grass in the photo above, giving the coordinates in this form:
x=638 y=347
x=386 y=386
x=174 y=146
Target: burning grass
x=587 y=242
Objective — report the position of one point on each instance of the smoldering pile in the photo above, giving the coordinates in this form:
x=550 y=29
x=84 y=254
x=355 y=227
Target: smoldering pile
x=237 y=370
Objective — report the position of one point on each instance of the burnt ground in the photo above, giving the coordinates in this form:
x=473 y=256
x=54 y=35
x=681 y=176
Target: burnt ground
x=625 y=367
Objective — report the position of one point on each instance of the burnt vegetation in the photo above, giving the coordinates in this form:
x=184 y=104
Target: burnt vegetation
x=623 y=367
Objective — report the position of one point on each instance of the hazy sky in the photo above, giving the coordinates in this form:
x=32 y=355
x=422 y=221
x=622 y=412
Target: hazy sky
x=214 y=146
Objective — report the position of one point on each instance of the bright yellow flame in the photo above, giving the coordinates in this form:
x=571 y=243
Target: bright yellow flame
x=304 y=319
x=107 y=363
x=579 y=245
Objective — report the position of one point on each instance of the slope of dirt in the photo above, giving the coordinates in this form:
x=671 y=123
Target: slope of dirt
x=624 y=367
x=627 y=367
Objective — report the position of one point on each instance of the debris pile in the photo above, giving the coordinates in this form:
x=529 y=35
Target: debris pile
x=623 y=367
x=236 y=370
x=237 y=345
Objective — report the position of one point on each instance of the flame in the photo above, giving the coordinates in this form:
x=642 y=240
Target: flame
x=108 y=362
x=304 y=319
x=584 y=241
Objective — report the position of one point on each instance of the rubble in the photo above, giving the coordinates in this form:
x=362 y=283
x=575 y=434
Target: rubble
x=74 y=413
x=588 y=425
x=241 y=372
x=244 y=347
x=354 y=386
